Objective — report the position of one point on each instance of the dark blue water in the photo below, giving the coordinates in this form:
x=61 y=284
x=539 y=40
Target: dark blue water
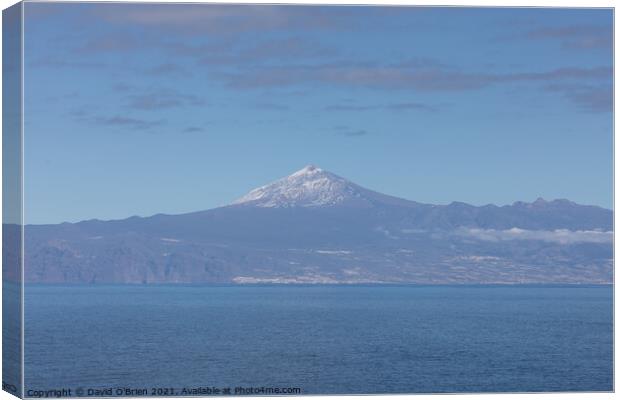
x=322 y=339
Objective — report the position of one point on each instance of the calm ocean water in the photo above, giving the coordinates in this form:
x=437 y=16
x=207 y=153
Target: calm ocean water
x=322 y=339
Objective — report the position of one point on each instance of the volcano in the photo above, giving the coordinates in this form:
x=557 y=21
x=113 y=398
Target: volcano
x=314 y=226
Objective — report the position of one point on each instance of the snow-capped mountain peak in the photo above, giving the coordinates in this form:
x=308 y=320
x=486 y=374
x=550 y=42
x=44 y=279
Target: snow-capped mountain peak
x=307 y=170
x=311 y=186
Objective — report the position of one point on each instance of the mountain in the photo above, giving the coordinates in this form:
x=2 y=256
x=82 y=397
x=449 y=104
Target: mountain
x=316 y=227
x=314 y=187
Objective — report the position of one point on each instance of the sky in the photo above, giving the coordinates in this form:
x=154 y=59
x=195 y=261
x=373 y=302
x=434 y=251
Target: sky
x=139 y=109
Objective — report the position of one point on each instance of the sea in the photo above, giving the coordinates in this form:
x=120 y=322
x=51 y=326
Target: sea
x=102 y=340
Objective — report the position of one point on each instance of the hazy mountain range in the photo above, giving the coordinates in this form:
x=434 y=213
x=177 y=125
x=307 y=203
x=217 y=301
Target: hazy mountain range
x=316 y=227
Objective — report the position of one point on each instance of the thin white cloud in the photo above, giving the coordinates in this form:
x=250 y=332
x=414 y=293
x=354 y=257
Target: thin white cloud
x=561 y=236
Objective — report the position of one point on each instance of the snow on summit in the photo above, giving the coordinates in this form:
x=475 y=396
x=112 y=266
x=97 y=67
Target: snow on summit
x=309 y=187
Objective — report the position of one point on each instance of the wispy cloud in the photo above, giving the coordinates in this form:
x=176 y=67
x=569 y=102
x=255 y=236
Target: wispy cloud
x=166 y=69
x=576 y=36
x=350 y=107
x=223 y=51
x=123 y=87
x=162 y=99
x=214 y=52
x=125 y=121
x=412 y=106
x=63 y=62
x=222 y=19
x=561 y=236
x=422 y=78
x=87 y=116
x=271 y=106
x=589 y=98
x=389 y=107
x=350 y=132
x=193 y=129
x=402 y=77
x=115 y=42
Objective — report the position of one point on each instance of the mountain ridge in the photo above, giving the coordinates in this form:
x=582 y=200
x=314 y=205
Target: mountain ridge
x=373 y=197
x=317 y=227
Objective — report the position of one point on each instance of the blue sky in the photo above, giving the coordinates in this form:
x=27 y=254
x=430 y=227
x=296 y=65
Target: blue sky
x=137 y=109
